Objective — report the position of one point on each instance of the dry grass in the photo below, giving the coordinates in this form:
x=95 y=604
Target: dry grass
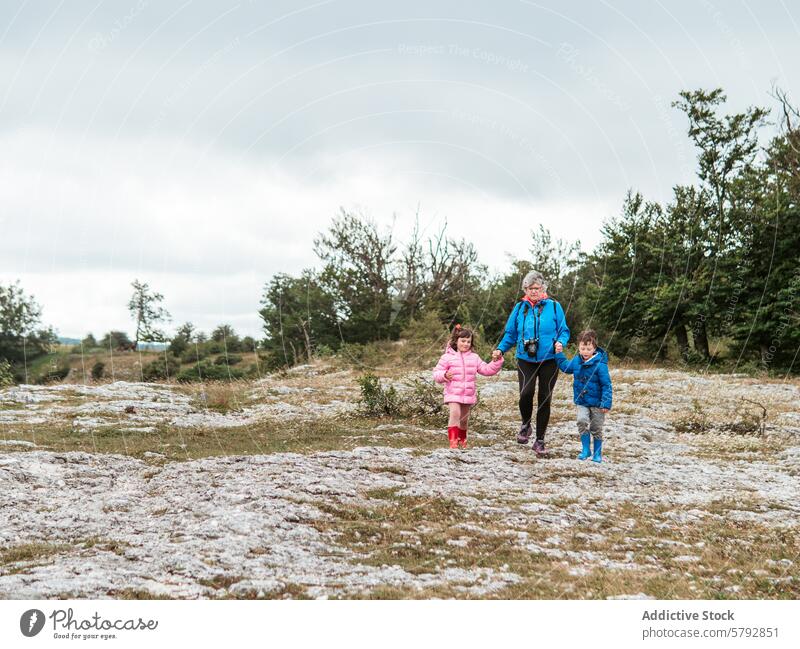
x=220 y=396
x=172 y=443
x=726 y=558
x=21 y=558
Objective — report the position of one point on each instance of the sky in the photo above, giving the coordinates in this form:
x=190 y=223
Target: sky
x=201 y=146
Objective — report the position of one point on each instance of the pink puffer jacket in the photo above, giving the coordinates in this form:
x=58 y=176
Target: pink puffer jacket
x=465 y=367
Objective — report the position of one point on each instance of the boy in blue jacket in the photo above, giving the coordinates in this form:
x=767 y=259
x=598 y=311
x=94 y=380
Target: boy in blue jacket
x=591 y=389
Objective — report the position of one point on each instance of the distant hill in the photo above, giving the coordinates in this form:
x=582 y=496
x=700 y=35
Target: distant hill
x=69 y=341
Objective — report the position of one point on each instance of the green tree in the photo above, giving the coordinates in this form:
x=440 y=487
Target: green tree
x=116 y=340
x=89 y=342
x=146 y=311
x=360 y=272
x=227 y=338
x=439 y=275
x=183 y=337
x=21 y=337
x=727 y=146
x=299 y=317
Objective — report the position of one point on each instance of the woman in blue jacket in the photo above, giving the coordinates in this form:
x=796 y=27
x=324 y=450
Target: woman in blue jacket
x=538 y=329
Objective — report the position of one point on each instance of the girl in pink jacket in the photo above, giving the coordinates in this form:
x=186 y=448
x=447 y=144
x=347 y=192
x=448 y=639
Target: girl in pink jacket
x=457 y=369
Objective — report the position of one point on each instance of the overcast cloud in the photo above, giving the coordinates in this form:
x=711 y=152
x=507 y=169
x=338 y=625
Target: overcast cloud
x=200 y=146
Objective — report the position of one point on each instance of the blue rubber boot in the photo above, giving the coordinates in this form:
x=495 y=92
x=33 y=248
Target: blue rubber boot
x=587 y=451
x=598 y=451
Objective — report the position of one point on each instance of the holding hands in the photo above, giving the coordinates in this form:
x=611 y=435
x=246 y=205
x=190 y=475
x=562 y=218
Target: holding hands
x=496 y=354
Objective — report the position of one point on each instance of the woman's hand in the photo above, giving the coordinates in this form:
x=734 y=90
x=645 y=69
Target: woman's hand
x=497 y=355
x=559 y=347
x=448 y=375
x=604 y=410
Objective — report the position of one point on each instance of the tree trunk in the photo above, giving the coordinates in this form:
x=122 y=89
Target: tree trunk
x=308 y=341
x=700 y=337
x=765 y=355
x=682 y=337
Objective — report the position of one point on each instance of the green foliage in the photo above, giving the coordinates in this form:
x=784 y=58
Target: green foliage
x=116 y=341
x=226 y=339
x=6 y=375
x=208 y=371
x=89 y=342
x=182 y=339
x=19 y=318
x=377 y=401
x=423 y=398
x=359 y=274
x=146 y=311
x=299 y=317
x=229 y=359
x=97 y=370
x=417 y=399
x=195 y=353
x=55 y=371
x=164 y=368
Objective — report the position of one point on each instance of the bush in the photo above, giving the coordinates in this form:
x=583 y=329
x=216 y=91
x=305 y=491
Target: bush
x=416 y=399
x=207 y=371
x=97 y=370
x=194 y=354
x=6 y=376
x=231 y=359
x=57 y=371
x=375 y=400
x=423 y=399
x=163 y=369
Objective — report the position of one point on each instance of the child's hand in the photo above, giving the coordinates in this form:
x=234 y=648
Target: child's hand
x=448 y=375
x=559 y=348
x=497 y=354
x=604 y=410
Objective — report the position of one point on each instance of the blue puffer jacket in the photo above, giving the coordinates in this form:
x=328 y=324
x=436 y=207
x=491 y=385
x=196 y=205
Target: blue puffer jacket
x=528 y=322
x=591 y=382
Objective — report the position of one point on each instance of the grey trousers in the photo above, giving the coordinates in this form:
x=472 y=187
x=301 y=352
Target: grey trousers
x=591 y=419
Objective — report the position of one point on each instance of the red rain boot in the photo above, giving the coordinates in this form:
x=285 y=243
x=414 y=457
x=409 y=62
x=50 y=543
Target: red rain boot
x=462 y=437
x=452 y=435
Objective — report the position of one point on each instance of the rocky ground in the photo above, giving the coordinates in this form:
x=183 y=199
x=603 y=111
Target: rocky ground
x=280 y=488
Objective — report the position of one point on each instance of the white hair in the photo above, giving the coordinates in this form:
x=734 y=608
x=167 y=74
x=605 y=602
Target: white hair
x=534 y=277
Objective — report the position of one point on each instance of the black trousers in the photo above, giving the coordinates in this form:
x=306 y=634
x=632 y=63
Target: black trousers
x=546 y=373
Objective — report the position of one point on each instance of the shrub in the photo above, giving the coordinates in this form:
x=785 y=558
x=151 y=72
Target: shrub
x=194 y=354
x=422 y=399
x=97 y=370
x=162 y=369
x=375 y=400
x=56 y=372
x=230 y=359
x=207 y=371
x=6 y=376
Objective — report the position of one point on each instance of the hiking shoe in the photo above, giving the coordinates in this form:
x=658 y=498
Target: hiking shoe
x=538 y=448
x=524 y=434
